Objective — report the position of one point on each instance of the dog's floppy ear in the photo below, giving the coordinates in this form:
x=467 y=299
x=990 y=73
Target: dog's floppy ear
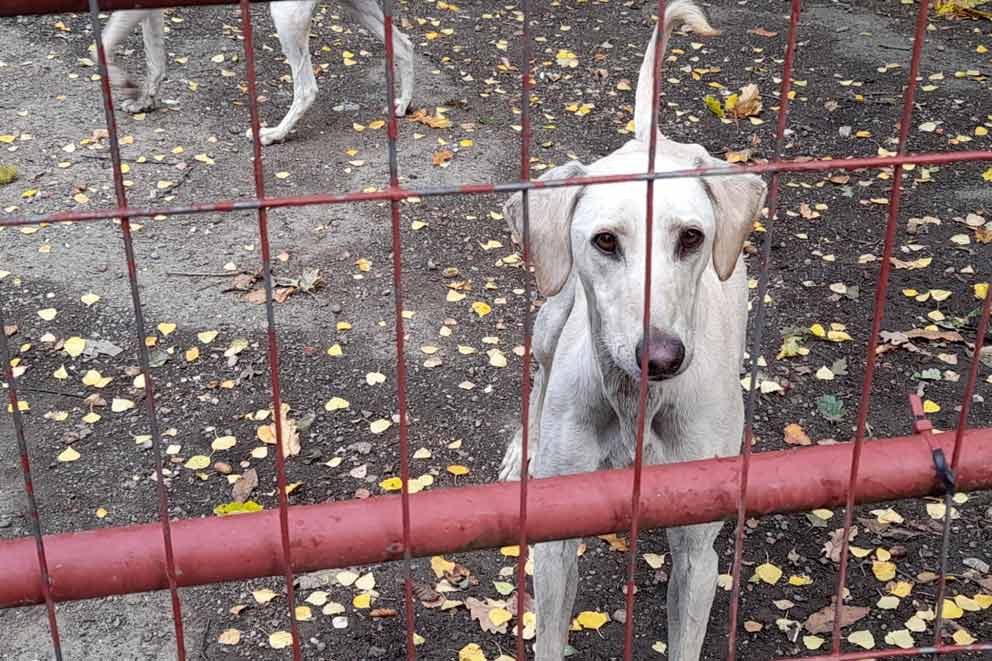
x=737 y=203
x=550 y=223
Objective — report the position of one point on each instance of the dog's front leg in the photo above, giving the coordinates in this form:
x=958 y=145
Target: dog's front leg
x=292 y=21
x=369 y=15
x=691 y=588
x=116 y=31
x=568 y=446
x=153 y=34
x=556 y=577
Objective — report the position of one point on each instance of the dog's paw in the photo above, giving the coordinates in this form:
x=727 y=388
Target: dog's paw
x=269 y=135
x=142 y=103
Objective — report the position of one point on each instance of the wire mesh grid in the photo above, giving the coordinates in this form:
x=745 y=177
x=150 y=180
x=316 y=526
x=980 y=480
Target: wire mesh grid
x=394 y=194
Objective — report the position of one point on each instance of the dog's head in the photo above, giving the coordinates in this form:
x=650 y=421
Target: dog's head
x=600 y=233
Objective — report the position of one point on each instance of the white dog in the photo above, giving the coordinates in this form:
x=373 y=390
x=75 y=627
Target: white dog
x=588 y=247
x=292 y=21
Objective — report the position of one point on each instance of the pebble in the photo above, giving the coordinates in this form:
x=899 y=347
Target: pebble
x=977 y=564
x=5 y=521
x=222 y=467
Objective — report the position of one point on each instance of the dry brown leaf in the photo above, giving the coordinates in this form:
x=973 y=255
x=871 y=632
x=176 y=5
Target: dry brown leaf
x=822 y=621
x=245 y=485
x=794 y=435
x=255 y=297
x=441 y=157
x=480 y=611
x=376 y=613
x=762 y=32
x=427 y=595
x=746 y=104
x=290 y=434
x=433 y=121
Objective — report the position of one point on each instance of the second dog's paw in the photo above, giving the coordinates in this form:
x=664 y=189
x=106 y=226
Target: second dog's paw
x=143 y=103
x=401 y=105
x=269 y=135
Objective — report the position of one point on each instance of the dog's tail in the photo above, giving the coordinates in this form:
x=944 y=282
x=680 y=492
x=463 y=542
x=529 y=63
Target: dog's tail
x=678 y=13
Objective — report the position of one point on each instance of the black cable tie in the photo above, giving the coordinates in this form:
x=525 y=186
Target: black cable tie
x=944 y=472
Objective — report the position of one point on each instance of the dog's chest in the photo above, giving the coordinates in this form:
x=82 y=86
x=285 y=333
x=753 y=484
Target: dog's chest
x=665 y=426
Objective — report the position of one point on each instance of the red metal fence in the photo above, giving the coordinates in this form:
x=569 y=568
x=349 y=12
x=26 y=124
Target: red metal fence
x=51 y=568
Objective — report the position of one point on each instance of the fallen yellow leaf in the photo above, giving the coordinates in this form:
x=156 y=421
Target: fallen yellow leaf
x=592 y=619
x=229 y=637
x=67 y=455
x=74 y=346
x=768 y=573
x=197 y=462
x=335 y=404
x=280 y=639
x=951 y=610
x=862 y=639
x=379 y=426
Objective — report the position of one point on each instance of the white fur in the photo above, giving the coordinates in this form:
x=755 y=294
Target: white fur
x=584 y=402
x=292 y=21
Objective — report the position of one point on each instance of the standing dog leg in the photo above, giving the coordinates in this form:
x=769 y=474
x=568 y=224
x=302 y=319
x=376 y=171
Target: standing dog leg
x=569 y=446
x=556 y=577
x=116 y=31
x=292 y=21
x=153 y=34
x=369 y=15
x=691 y=588
x=548 y=327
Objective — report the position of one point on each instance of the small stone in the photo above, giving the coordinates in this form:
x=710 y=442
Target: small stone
x=5 y=521
x=222 y=467
x=619 y=615
x=977 y=564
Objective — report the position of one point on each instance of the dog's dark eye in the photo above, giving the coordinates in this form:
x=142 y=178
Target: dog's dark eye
x=606 y=242
x=690 y=239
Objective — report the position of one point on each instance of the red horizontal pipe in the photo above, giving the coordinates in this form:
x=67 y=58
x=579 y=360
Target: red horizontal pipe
x=399 y=193
x=359 y=532
x=38 y=7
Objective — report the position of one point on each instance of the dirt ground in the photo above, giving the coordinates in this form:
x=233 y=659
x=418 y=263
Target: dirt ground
x=198 y=274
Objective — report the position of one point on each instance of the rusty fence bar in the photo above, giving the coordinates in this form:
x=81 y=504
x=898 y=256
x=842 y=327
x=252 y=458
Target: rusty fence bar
x=399 y=339
x=270 y=330
x=349 y=533
x=758 y=328
x=399 y=193
x=130 y=259
x=525 y=385
x=642 y=384
x=878 y=313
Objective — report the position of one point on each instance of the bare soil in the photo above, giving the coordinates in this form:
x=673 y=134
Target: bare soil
x=850 y=71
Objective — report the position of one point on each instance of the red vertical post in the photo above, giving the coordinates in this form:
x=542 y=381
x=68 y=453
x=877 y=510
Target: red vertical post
x=525 y=136
x=966 y=401
x=139 y=321
x=758 y=329
x=33 y=516
x=642 y=397
x=401 y=387
x=879 y=311
x=273 y=342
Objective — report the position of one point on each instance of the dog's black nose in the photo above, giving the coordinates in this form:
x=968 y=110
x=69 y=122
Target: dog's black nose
x=665 y=356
